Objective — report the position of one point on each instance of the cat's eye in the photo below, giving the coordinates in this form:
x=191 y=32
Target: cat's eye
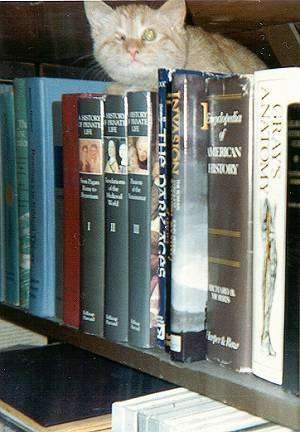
x=149 y=35
x=120 y=37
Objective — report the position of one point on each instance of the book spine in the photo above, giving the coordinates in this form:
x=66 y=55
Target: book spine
x=189 y=217
x=11 y=235
x=143 y=218
x=59 y=202
x=291 y=363
x=230 y=163
x=273 y=92
x=71 y=218
x=164 y=263
x=92 y=224
x=23 y=189
x=41 y=202
x=116 y=219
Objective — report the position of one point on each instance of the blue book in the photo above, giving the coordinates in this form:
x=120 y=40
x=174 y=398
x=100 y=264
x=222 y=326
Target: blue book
x=43 y=95
x=10 y=199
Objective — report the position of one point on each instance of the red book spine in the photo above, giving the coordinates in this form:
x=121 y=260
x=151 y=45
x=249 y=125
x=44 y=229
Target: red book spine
x=71 y=242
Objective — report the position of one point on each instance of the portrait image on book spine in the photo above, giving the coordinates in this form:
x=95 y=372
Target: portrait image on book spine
x=143 y=177
x=116 y=219
x=92 y=224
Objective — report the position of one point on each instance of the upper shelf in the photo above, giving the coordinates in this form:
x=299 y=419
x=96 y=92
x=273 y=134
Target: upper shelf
x=57 y=31
x=242 y=391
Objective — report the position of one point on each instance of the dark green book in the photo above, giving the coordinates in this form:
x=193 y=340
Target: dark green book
x=91 y=179
x=143 y=172
x=116 y=219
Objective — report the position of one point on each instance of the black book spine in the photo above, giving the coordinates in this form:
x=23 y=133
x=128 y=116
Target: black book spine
x=91 y=178
x=291 y=363
x=164 y=258
x=116 y=219
x=143 y=219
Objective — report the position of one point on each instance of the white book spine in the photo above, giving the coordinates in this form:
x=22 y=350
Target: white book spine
x=124 y=413
x=274 y=91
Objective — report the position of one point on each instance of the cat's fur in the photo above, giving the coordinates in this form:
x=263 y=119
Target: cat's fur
x=133 y=62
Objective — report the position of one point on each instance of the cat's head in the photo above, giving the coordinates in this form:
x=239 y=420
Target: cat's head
x=132 y=41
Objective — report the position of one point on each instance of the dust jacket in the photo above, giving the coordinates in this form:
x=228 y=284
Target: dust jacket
x=229 y=168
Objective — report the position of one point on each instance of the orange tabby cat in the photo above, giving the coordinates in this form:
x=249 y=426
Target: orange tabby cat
x=132 y=41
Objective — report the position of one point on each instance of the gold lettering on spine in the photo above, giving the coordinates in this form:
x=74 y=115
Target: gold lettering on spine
x=175 y=133
x=204 y=116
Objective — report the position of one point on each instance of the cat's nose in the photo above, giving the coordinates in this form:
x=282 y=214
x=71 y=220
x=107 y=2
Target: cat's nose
x=133 y=51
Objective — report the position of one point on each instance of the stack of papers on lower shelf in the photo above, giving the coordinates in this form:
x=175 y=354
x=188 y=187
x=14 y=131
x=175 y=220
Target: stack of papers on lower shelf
x=181 y=410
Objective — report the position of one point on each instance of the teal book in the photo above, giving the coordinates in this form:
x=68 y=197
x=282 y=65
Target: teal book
x=3 y=88
x=21 y=136
x=10 y=198
x=45 y=166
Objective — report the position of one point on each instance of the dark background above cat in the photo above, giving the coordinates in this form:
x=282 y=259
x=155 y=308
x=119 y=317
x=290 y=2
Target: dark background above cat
x=61 y=33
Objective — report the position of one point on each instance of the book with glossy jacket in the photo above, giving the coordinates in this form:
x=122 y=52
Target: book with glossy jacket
x=164 y=255
x=143 y=234
x=273 y=242
x=92 y=213
x=189 y=266
x=42 y=94
x=229 y=167
x=71 y=217
x=116 y=218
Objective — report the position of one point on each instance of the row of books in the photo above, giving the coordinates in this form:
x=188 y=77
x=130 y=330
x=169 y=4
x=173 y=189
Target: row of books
x=234 y=225
x=182 y=239
x=183 y=410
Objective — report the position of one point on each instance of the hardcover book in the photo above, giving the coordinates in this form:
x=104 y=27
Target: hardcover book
x=43 y=99
x=71 y=215
x=10 y=198
x=143 y=218
x=3 y=88
x=189 y=215
x=116 y=219
x=21 y=137
x=60 y=383
x=275 y=90
x=92 y=214
x=164 y=208
x=291 y=356
x=229 y=167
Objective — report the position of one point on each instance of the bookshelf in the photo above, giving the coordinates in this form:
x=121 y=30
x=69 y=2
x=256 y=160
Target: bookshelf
x=242 y=391
x=57 y=32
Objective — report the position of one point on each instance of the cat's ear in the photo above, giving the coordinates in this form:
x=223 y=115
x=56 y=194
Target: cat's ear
x=97 y=12
x=175 y=10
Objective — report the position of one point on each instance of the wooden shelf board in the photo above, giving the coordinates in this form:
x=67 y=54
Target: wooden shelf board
x=243 y=391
